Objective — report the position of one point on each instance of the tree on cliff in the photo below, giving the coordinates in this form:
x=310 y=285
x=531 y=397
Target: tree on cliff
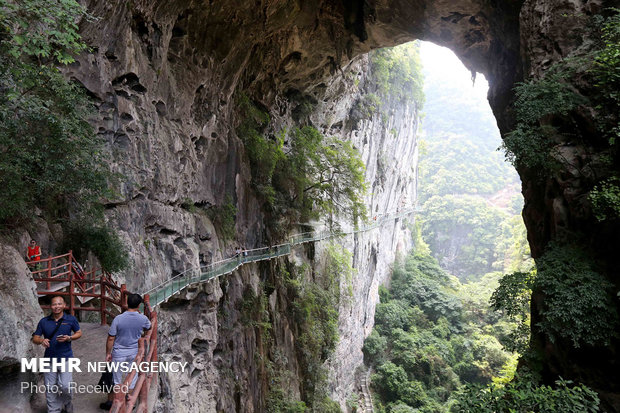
x=46 y=144
x=308 y=177
x=49 y=154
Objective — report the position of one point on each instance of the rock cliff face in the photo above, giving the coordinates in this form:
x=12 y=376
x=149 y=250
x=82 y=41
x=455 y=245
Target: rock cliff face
x=164 y=74
x=227 y=352
x=19 y=316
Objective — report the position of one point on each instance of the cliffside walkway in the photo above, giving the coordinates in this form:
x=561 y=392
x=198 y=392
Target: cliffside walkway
x=62 y=275
x=366 y=405
x=168 y=288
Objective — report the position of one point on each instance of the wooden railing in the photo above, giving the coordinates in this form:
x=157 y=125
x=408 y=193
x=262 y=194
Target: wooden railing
x=63 y=275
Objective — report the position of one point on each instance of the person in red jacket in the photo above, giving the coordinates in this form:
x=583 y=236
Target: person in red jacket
x=34 y=253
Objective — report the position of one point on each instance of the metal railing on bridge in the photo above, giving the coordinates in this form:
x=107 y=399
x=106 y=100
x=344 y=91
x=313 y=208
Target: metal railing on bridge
x=62 y=275
x=196 y=275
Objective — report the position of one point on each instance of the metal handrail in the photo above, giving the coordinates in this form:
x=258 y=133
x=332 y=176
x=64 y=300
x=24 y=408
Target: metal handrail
x=195 y=275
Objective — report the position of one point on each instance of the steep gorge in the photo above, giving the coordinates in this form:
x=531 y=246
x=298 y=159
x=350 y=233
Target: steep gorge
x=165 y=76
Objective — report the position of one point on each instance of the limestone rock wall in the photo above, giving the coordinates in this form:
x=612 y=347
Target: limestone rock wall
x=164 y=74
x=227 y=352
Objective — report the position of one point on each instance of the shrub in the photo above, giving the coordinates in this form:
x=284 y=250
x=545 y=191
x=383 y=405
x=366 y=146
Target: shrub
x=264 y=153
x=578 y=302
x=392 y=382
x=524 y=396
x=322 y=176
x=315 y=311
x=316 y=176
x=374 y=347
x=605 y=199
x=49 y=155
x=224 y=217
x=101 y=240
x=606 y=73
x=532 y=144
x=512 y=298
x=397 y=73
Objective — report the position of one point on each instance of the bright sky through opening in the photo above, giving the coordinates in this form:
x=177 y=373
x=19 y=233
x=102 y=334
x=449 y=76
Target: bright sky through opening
x=444 y=63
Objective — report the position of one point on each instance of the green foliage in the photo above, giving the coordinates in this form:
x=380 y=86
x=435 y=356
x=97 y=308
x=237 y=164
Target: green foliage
x=366 y=106
x=523 y=395
x=422 y=283
x=338 y=263
x=224 y=217
x=264 y=153
x=49 y=155
x=278 y=400
x=512 y=297
x=467 y=190
x=468 y=225
x=101 y=241
x=392 y=315
x=400 y=407
x=392 y=382
x=45 y=29
x=578 y=303
x=424 y=344
x=532 y=143
x=606 y=72
x=605 y=199
x=322 y=176
x=397 y=73
x=315 y=311
x=312 y=176
x=327 y=405
x=255 y=310
x=320 y=327
x=459 y=164
x=375 y=346
x=578 y=299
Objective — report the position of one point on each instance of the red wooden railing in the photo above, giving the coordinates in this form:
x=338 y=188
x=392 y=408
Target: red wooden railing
x=96 y=283
x=99 y=284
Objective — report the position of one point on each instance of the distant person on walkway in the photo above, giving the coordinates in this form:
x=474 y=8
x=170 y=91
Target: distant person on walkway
x=55 y=333
x=34 y=253
x=122 y=344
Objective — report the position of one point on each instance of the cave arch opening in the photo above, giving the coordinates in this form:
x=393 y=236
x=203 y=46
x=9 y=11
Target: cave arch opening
x=469 y=219
x=463 y=169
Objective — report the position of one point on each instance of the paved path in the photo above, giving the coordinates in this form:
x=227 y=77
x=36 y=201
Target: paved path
x=91 y=347
x=365 y=404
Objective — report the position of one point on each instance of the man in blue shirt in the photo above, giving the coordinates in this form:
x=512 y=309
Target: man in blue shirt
x=123 y=336
x=55 y=333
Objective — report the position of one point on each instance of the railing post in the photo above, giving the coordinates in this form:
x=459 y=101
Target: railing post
x=147 y=305
x=119 y=400
x=104 y=319
x=123 y=297
x=71 y=305
x=144 y=391
x=154 y=341
x=49 y=273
